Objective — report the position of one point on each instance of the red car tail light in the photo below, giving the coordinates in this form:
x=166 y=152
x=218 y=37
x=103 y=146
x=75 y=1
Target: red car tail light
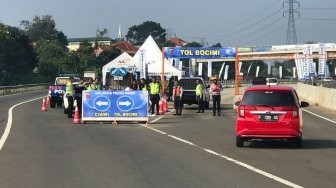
x=241 y=111
x=295 y=112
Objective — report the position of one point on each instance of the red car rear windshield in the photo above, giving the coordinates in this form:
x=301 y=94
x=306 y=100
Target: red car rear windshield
x=271 y=98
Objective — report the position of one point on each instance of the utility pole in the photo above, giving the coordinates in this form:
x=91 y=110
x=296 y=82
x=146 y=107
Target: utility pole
x=291 y=31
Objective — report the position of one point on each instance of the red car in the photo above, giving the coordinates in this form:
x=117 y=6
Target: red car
x=269 y=112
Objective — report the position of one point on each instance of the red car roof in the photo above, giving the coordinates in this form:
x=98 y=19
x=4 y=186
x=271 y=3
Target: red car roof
x=269 y=88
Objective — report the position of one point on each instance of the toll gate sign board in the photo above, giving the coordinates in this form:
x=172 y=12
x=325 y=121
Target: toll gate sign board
x=199 y=53
x=115 y=105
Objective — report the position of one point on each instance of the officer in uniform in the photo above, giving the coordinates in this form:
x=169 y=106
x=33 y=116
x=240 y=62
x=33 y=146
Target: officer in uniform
x=200 y=96
x=69 y=93
x=154 y=95
x=177 y=96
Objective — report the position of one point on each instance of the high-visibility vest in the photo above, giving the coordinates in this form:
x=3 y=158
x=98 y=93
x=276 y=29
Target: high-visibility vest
x=199 y=89
x=154 y=88
x=215 y=89
x=177 y=91
x=143 y=87
x=97 y=87
x=68 y=89
x=89 y=88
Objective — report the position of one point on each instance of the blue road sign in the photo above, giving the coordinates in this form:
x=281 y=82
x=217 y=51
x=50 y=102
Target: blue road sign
x=125 y=103
x=101 y=103
x=122 y=71
x=114 y=71
x=107 y=105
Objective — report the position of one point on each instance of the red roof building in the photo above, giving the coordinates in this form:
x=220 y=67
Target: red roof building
x=177 y=41
x=124 y=46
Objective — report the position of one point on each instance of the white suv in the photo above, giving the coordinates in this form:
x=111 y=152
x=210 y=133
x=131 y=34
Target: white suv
x=271 y=81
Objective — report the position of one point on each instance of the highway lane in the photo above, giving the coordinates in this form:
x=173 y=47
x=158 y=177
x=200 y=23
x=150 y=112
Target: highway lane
x=45 y=149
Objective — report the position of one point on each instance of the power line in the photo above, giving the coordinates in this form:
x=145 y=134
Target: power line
x=319 y=19
x=329 y=8
x=291 y=30
x=243 y=29
x=244 y=21
x=257 y=30
x=276 y=30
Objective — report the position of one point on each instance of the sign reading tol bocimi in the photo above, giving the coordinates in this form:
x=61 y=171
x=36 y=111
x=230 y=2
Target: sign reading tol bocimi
x=199 y=53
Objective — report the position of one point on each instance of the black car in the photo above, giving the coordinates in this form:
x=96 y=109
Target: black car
x=189 y=90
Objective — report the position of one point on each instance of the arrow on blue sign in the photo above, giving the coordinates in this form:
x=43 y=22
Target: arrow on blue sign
x=114 y=71
x=124 y=103
x=102 y=103
x=122 y=71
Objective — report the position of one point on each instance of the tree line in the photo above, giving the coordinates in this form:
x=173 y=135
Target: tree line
x=37 y=52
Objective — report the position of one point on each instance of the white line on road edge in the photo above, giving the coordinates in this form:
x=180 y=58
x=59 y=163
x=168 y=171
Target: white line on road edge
x=332 y=121
x=242 y=164
x=9 y=122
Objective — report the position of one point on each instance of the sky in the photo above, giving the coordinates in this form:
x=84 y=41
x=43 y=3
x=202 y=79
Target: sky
x=232 y=23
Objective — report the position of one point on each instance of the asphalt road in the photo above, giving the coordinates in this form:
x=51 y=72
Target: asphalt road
x=44 y=149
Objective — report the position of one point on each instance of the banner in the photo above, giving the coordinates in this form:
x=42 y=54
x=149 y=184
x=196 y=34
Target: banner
x=221 y=71
x=257 y=71
x=199 y=53
x=280 y=72
x=248 y=70
x=294 y=72
x=108 y=105
x=299 y=65
x=200 y=69
x=226 y=72
x=239 y=66
x=322 y=60
x=142 y=57
x=209 y=68
x=269 y=68
x=306 y=62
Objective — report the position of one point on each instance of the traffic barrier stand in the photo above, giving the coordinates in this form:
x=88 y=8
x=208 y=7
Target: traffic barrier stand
x=48 y=100
x=161 y=111
x=165 y=105
x=76 y=119
x=44 y=106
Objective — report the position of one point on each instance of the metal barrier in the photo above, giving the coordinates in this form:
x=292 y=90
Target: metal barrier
x=6 y=90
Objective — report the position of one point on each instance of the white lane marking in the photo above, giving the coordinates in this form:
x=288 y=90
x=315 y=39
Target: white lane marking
x=10 y=120
x=242 y=164
x=327 y=119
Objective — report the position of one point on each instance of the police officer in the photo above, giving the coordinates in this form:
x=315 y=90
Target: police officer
x=200 y=96
x=215 y=89
x=177 y=96
x=142 y=85
x=154 y=95
x=97 y=85
x=78 y=94
x=69 y=93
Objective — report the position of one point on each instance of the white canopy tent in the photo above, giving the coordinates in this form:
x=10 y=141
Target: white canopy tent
x=152 y=56
x=124 y=60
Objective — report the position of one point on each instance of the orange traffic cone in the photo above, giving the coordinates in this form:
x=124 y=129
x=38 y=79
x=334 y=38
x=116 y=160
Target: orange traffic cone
x=161 y=111
x=44 y=106
x=76 y=119
x=48 y=100
x=165 y=106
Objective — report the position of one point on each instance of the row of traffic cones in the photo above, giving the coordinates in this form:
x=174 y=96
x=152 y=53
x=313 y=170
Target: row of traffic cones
x=46 y=102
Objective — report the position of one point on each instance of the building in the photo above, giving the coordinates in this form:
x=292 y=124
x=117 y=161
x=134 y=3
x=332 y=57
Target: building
x=74 y=43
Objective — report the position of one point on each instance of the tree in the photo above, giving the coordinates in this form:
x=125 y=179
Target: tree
x=218 y=45
x=101 y=33
x=193 y=44
x=137 y=34
x=43 y=28
x=17 y=59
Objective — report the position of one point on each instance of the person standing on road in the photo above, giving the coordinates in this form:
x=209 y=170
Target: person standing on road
x=142 y=85
x=97 y=85
x=78 y=94
x=199 y=96
x=215 y=89
x=155 y=95
x=69 y=93
x=177 y=96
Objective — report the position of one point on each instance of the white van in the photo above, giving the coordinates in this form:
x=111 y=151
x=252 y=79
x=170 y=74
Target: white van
x=271 y=81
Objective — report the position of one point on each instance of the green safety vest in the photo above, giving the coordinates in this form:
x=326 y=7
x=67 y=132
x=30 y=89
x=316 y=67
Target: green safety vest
x=154 y=88
x=199 y=89
x=97 y=87
x=89 y=88
x=68 y=89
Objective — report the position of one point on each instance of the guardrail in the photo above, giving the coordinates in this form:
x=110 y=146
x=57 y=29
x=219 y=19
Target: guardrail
x=6 y=90
x=230 y=83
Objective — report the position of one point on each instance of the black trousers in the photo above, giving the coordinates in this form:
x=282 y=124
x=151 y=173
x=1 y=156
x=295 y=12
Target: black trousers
x=155 y=102
x=200 y=104
x=216 y=103
x=178 y=105
x=70 y=107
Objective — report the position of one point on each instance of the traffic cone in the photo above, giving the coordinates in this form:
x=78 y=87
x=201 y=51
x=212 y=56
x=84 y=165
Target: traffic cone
x=76 y=119
x=48 y=100
x=165 y=106
x=44 y=106
x=161 y=111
